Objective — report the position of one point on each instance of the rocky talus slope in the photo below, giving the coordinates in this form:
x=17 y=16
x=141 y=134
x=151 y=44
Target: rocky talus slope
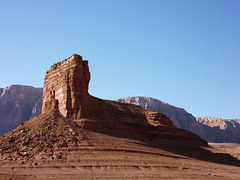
x=79 y=136
x=18 y=104
x=211 y=129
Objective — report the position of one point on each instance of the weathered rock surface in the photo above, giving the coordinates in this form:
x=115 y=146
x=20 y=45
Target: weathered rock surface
x=180 y=118
x=17 y=105
x=210 y=129
x=66 y=91
x=78 y=132
x=66 y=86
x=220 y=130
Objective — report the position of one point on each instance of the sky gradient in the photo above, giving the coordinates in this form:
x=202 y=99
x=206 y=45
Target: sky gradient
x=185 y=53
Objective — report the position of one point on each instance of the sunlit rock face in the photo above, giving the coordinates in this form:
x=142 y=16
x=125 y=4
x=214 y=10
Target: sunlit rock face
x=65 y=85
x=73 y=121
x=66 y=91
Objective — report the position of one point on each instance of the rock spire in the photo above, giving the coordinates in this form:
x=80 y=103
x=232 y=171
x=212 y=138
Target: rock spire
x=65 y=84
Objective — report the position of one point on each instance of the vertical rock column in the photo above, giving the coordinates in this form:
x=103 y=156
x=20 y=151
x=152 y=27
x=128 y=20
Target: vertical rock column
x=66 y=87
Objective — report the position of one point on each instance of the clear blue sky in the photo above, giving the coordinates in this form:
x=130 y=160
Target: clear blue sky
x=184 y=52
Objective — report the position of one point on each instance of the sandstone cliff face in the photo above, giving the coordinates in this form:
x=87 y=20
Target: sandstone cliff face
x=210 y=129
x=16 y=106
x=220 y=130
x=65 y=85
x=66 y=89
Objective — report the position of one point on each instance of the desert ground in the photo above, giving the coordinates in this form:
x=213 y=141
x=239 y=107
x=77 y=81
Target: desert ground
x=104 y=156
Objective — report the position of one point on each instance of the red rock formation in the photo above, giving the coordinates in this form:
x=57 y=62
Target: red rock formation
x=66 y=89
x=67 y=106
x=65 y=83
x=78 y=131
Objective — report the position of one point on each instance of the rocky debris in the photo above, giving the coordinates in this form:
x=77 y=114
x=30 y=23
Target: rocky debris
x=211 y=129
x=17 y=105
x=43 y=134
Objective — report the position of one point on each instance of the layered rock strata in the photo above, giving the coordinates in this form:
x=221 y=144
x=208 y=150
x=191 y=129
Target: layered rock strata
x=74 y=122
x=65 y=86
x=90 y=138
x=209 y=128
x=180 y=118
x=66 y=89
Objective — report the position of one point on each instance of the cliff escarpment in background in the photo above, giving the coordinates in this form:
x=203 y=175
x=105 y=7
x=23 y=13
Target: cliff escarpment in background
x=17 y=104
x=211 y=129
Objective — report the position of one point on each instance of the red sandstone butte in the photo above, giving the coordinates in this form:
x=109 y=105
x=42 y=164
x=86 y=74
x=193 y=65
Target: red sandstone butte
x=79 y=136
